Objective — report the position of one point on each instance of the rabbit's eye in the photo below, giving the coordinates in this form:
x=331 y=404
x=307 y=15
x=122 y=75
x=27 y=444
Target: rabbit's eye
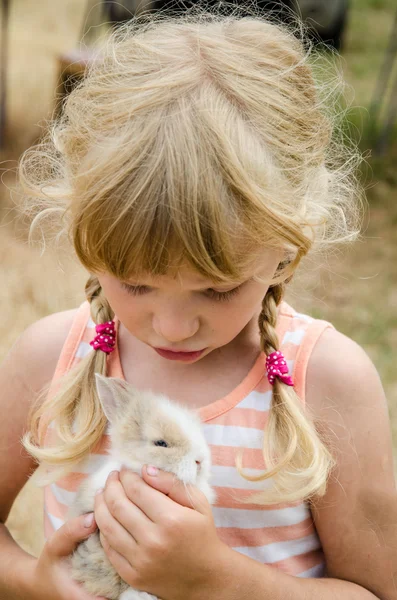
x=162 y=443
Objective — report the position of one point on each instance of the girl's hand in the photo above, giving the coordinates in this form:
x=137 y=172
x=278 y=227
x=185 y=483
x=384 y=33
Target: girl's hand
x=162 y=541
x=50 y=578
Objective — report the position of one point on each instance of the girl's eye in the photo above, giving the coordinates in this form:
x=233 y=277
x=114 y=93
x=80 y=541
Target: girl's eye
x=138 y=290
x=135 y=290
x=162 y=443
x=223 y=295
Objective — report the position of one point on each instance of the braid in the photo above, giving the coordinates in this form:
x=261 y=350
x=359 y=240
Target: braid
x=79 y=420
x=100 y=313
x=268 y=318
x=294 y=455
x=100 y=308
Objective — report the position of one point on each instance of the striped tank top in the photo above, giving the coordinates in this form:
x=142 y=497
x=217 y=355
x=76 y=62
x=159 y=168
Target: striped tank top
x=283 y=535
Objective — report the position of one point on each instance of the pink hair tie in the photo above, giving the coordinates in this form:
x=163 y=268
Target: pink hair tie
x=276 y=366
x=105 y=339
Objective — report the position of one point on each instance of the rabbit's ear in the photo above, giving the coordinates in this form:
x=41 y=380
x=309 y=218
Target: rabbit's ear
x=113 y=394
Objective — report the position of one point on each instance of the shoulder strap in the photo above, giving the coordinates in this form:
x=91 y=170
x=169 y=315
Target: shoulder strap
x=65 y=361
x=300 y=335
x=313 y=332
x=72 y=342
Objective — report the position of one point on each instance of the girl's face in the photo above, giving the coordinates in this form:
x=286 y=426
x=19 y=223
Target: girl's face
x=184 y=317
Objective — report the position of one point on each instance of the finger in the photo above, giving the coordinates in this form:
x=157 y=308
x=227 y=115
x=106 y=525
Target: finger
x=159 y=503
x=123 y=566
x=133 y=518
x=185 y=494
x=64 y=541
x=127 y=513
x=115 y=533
x=150 y=501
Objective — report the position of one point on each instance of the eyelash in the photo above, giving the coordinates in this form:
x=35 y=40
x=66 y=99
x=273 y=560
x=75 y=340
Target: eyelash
x=139 y=290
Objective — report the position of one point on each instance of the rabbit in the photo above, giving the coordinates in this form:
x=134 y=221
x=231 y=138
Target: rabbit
x=144 y=428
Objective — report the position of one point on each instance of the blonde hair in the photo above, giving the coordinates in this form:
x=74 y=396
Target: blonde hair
x=201 y=136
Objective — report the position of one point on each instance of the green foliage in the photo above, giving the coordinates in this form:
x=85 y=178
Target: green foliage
x=368 y=33
x=374 y=4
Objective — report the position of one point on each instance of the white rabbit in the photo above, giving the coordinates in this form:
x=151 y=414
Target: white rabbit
x=144 y=428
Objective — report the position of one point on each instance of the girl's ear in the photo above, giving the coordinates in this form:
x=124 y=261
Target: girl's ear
x=113 y=394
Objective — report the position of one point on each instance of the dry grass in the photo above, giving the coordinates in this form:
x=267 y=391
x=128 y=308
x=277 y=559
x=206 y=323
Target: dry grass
x=33 y=285
x=357 y=292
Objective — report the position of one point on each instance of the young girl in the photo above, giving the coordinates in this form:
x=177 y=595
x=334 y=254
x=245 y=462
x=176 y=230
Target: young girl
x=194 y=167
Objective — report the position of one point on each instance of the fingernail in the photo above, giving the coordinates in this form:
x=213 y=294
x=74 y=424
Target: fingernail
x=88 y=520
x=153 y=471
x=113 y=475
x=99 y=491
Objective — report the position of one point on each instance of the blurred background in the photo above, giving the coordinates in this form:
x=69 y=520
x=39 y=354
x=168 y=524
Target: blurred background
x=44 y=46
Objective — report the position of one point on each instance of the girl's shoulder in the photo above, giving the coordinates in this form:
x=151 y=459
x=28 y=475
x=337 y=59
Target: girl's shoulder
x=36 y=352
x=27 y=369
x=337 y=370
x=339 y=373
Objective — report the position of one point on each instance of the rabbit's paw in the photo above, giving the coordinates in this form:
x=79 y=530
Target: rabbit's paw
x=131 y=594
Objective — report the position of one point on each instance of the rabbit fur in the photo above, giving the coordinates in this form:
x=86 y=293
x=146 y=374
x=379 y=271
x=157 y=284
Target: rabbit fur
x=137 y=419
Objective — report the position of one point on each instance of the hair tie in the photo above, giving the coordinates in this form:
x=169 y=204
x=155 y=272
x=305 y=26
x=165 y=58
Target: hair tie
x=276 y=366
x=105 y=339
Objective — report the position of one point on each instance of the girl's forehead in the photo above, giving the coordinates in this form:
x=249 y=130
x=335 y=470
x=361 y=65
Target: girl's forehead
x=187 y=276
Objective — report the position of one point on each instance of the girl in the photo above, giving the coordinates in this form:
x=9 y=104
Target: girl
x=194 y=167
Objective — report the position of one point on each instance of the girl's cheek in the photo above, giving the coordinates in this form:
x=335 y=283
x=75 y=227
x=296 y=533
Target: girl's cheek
x=234 y=318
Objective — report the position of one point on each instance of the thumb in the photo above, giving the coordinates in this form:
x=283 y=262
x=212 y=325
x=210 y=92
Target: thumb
x=183 y=493
x=64 y=541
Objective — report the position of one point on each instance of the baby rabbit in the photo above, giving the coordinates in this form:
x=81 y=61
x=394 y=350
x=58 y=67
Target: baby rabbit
x=144 y=428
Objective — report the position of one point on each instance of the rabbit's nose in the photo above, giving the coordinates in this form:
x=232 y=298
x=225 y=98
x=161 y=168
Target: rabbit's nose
x=198 y=463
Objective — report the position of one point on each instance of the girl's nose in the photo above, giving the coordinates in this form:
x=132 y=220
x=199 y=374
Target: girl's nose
x=175 y=327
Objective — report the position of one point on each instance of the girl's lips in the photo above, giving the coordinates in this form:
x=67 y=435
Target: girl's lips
x=183 y=356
